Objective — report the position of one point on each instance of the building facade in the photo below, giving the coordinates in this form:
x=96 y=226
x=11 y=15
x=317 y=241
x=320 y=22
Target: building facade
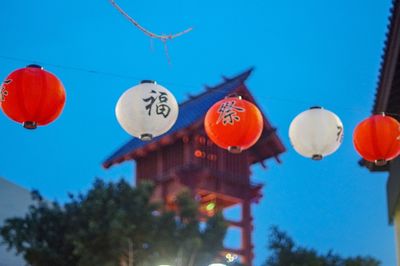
x=14 y=202
x=387 y=100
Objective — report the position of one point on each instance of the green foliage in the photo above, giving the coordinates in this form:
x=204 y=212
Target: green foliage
x=286 y=253
x=114 y=224
x=40 y=235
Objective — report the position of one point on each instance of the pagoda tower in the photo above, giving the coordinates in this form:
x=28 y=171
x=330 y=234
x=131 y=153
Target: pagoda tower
x=186 y=158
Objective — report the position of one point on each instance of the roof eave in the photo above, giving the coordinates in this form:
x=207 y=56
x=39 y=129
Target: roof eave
x=390 y=58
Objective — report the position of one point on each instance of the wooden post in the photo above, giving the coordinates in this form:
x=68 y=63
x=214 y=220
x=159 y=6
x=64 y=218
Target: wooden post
x=396 y=221
x=159 y=163
x=247 y=229
x=164 y=192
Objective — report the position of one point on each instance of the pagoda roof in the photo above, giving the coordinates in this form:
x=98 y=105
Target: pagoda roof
x=191 y=112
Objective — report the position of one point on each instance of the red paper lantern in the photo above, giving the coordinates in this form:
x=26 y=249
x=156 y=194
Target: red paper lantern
x=377 y=139
x=32 y=96
x=234 y=124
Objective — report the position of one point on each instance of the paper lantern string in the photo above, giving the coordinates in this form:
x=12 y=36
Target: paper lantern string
x=186 y=86
x=162 y=37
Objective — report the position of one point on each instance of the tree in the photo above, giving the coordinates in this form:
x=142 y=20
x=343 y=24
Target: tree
x=114 y=224
x=286 y=253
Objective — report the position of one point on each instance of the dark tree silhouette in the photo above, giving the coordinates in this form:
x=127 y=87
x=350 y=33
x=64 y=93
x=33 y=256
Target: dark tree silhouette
x=114 y=224
x=286 y=253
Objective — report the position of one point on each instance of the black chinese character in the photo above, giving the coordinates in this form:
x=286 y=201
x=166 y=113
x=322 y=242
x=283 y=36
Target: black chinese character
x=3 y=91
x=228 y=113
x=162 y=107
x=339 y=134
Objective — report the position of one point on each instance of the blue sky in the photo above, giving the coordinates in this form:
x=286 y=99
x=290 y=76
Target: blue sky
x=305 y=53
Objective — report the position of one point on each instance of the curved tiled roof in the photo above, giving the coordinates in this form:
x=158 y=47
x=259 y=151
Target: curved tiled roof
x=190 y=112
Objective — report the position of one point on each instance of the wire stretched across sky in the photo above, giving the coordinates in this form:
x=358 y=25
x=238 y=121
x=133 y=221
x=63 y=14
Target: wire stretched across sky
x=91 y=71
x=187 y=87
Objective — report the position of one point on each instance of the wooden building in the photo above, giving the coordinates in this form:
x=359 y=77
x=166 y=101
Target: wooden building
x=186 y=157
x=388 y=100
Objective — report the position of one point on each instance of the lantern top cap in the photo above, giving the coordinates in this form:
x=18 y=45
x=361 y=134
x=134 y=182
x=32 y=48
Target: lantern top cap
x=384 y=114
x=316 y=107
x=35 y=66
x=148 y=81
x=234 y=95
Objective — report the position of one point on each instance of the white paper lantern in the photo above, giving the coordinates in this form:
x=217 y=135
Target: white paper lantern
x=147 y=110
x=316 y=133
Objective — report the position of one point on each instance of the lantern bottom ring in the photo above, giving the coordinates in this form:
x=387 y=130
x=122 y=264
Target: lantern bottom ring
x=29 y=125
x=235 y=149
x=317 y=157
x=380 y=162
x=146 y=137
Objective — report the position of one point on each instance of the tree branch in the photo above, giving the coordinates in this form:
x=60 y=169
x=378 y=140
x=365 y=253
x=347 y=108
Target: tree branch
x=146 y=31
